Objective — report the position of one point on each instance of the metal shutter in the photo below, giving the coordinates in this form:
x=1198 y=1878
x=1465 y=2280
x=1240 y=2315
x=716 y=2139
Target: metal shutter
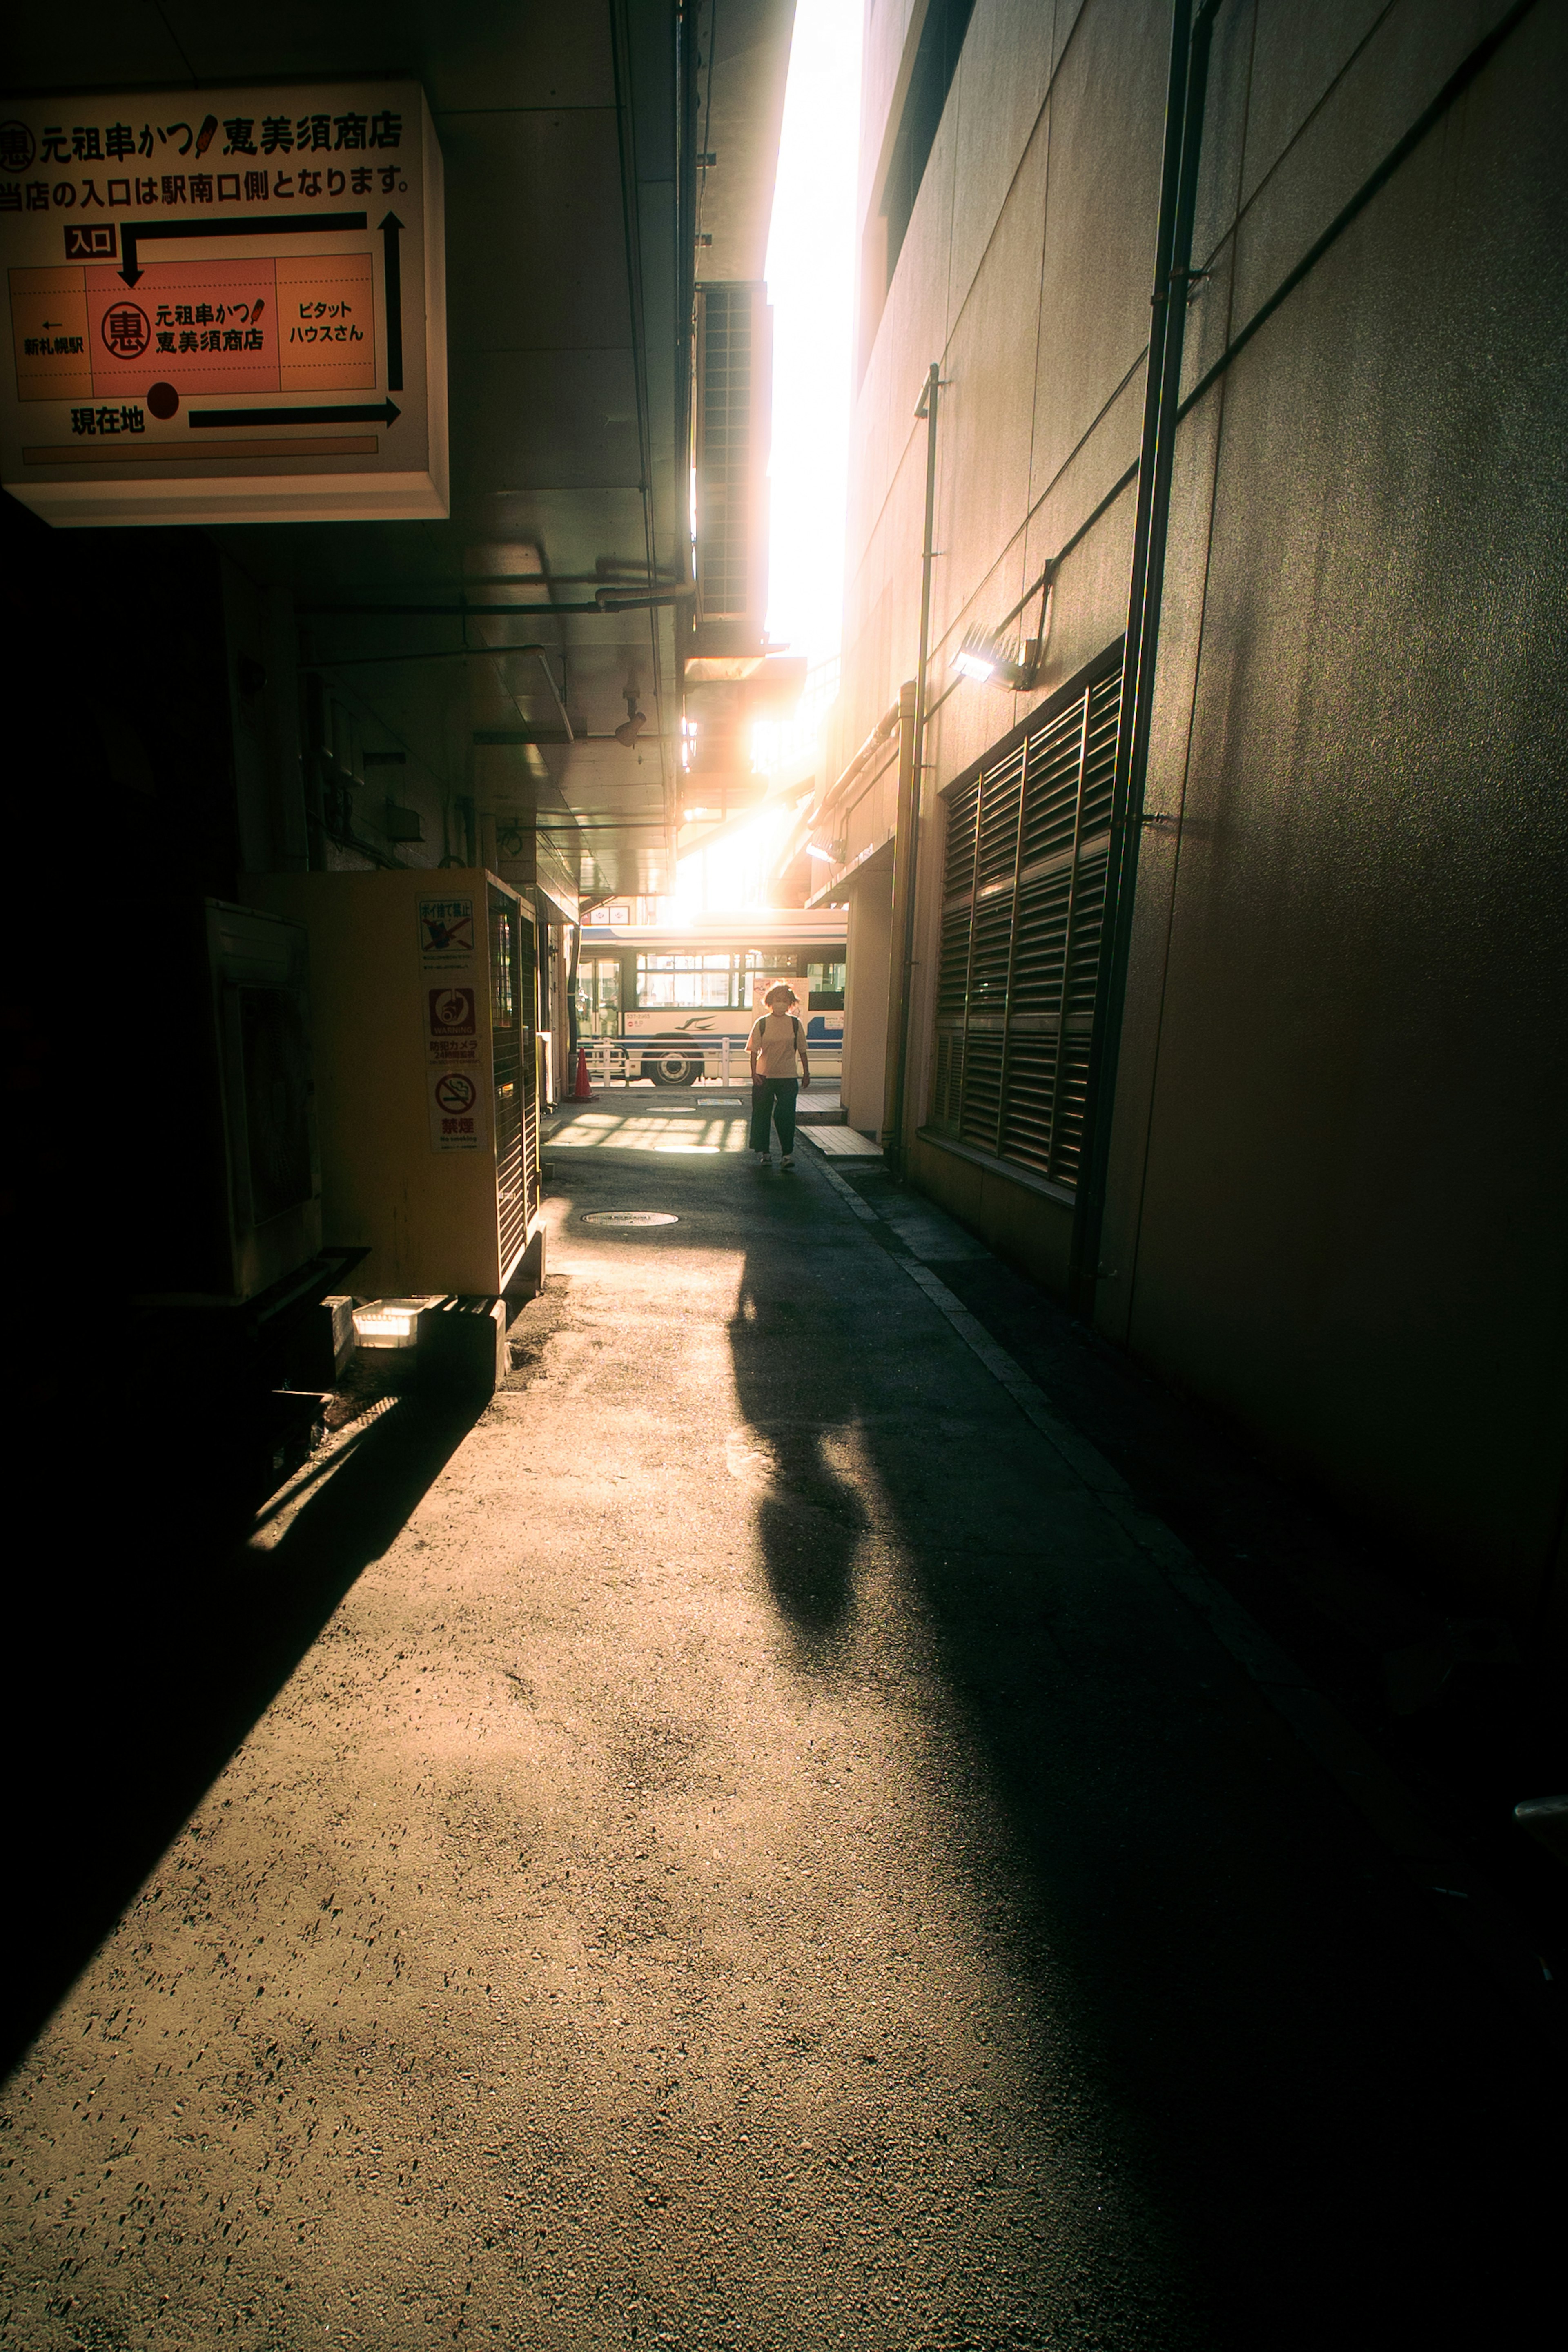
x=1023 y=897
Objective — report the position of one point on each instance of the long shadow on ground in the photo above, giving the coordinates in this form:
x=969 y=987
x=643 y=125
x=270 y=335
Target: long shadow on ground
x=145 y=1651
x=1324 y=2107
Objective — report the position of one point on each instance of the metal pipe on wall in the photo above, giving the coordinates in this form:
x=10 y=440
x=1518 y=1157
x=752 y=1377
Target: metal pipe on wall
x=608 y=600
x=1185 y=96
x=906 y=852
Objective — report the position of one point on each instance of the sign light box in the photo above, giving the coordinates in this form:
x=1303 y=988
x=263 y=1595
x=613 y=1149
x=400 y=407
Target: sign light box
x=225 y=305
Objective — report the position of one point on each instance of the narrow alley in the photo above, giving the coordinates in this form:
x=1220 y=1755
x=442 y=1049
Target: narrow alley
x=741 y=1847
x=954 y=1747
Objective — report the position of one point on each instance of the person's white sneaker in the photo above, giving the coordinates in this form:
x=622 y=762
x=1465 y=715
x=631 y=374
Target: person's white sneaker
x=764 y=1159
x=788 y=1159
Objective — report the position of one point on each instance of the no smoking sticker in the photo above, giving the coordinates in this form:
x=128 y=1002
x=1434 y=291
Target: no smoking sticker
x=457 y=1117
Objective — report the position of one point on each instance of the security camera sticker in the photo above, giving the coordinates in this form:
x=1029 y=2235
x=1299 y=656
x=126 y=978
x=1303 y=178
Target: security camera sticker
x=450 y=1012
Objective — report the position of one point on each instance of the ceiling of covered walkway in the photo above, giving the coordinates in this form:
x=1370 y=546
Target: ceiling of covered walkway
x=572 y=140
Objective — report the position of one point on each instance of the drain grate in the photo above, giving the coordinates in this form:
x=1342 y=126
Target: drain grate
x=629 y=1217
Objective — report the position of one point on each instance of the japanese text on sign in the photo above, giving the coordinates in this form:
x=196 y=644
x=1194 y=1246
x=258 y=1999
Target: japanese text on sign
x=269 y=134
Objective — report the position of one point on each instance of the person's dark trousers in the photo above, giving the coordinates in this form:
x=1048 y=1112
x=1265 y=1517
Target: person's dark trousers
x=773 y=1104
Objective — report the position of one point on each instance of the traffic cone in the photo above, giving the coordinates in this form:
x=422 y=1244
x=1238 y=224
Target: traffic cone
x=581 y=1090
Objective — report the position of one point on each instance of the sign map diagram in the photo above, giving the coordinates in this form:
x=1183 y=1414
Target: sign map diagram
x=273 y=319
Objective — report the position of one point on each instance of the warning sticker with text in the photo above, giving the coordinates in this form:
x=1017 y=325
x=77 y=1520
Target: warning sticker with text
x=447 y=941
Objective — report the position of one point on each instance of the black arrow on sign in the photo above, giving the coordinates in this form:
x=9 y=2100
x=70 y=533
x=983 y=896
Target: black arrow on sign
x=136 y=233
x=383 y=414
x=391 y=230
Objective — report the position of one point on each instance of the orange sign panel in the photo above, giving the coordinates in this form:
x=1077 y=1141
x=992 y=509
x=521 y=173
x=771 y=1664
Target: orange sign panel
x=295 y=323
x=265 y=305
x=326 y=322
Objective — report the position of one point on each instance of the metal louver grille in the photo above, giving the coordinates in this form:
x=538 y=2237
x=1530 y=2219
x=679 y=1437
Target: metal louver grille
x=516 y=1111
x=725 y=488
x=1023 y=898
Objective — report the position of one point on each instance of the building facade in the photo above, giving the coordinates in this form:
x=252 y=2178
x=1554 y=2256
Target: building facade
x=1226 y=1003
x=446 y=689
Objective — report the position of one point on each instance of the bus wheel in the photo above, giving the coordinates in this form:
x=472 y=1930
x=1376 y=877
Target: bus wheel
x=673 y=1070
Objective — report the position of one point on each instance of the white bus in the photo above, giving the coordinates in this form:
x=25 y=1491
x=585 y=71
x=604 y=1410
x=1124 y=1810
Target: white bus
x=661 y=1000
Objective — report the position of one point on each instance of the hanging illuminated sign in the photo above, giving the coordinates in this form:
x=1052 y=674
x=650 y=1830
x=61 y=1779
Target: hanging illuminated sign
x=225 y=307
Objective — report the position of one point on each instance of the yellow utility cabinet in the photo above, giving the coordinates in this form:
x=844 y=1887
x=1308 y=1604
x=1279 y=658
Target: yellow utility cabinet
x=423 y=996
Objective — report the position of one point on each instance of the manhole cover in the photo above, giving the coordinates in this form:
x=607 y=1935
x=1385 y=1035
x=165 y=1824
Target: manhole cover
x=629 y=1217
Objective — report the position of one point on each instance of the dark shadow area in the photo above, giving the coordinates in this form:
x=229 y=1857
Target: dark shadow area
x=145 y=1646
x=1326 y=2123
x=1452 y=1702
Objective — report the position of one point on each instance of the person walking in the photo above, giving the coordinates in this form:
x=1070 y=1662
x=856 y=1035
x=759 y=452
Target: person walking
x=777 y=1043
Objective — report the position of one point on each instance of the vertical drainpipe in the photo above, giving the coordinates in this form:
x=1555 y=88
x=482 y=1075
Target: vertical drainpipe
x=575 y=957
x=907 y=837
x=1189 y=37
x=684 y=615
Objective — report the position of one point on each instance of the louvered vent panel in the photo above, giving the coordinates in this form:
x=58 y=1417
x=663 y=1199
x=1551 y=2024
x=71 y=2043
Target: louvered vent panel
x=1067 y=1141
x=1042 y=940
x=947 y=1088
x=530 y=1150
x=1089 y=908
x=1053 y=787
x=952 y=976
x=992 y=942
x=961 y=813
x=1024 y=902
x=998 y=849
x=1104 y=714
x=981 y=1103
x=1026 y=1127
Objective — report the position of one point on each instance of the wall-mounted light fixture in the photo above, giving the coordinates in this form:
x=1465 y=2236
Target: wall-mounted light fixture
x=998 y=661
x=632 y=726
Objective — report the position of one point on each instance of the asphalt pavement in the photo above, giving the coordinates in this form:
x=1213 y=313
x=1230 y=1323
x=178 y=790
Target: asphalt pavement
x=742 y=1850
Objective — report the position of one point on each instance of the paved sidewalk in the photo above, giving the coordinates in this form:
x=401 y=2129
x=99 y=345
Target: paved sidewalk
x=756 y=1856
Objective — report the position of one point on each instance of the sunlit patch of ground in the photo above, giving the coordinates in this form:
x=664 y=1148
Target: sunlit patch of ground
x=683 y=1130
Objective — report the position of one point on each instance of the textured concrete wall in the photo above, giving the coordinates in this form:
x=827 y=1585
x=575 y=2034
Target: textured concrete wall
x=869 y=954
x=1336 y=1196
x=1344 y=1157
x=1024 y=272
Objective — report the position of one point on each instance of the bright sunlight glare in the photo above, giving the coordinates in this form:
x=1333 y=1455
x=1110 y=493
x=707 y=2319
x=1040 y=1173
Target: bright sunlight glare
x=811 y=286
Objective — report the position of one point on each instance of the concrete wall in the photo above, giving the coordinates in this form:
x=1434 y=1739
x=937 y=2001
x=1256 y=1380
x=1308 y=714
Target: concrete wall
x=1339 y=1158
x=868 y=955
